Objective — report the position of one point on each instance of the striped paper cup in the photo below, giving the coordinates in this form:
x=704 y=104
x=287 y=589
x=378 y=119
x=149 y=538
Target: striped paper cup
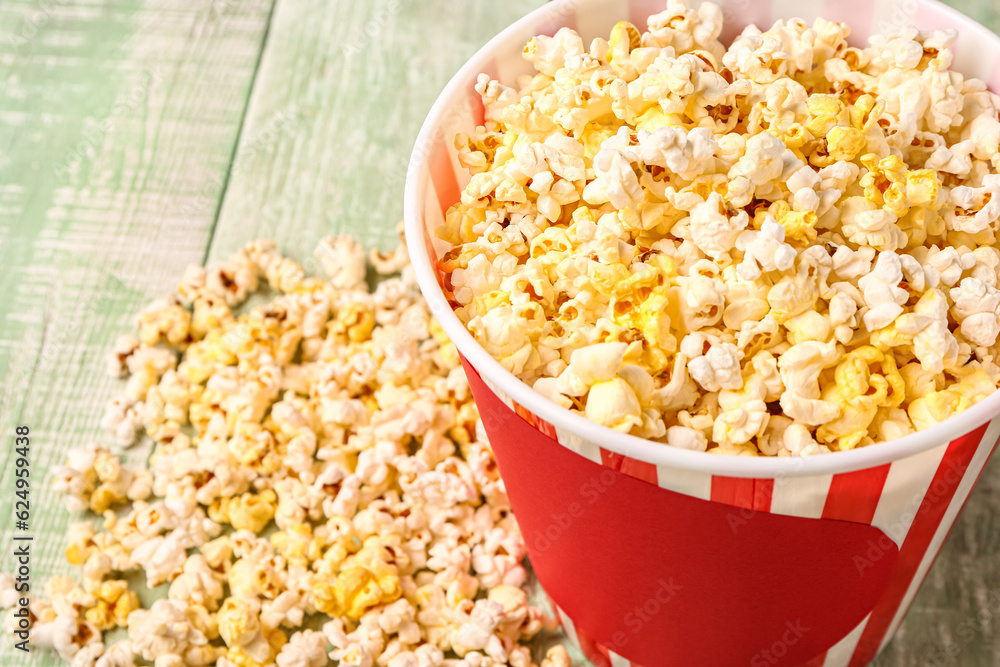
x=656 y=555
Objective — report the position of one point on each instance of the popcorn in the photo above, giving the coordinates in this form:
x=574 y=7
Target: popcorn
x=686 y=154
x=346 y=418
x=712 y=230
x=164 y=320
x=615 y=181
x=851 y=264
x=977 y=309
x=791 y=195
x=810 y=325
x=935 y=407
x=764 y=250
x=713 y=365
x=240 y=628
x=122 y=418
x=557 y=656
x=987 y=266
x=591 y=365
x=860 y=392
x=797 y=440
x=795 y=293
x=865 y=224
x=976 y=209
x=800 y=367
x=124 y=347
x=114 y=604
x=549 y=54
x=687 y=438
x=162 y=558
x=613 y=403
x=944 y=266
x=746 y=301
x=933 y=343
x=61 y=625
x=117 y=655
x=882 y=293
x=743 y=415
x=703 y=300
x=234 y=280
x=171 y=628
x=306 y=648
x=199 y=584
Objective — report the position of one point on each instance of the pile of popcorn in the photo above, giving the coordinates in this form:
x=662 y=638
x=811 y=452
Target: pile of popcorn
x=339 y=415
x=786 y=247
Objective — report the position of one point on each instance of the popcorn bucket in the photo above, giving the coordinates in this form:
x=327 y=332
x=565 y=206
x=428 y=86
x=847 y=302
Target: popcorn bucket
x=656 y=555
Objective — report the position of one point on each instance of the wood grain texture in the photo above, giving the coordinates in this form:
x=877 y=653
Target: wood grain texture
x=107 y=108
x=359 y=77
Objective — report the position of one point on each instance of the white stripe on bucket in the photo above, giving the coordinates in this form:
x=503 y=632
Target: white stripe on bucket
x=499 y=393
x=618 y=661
x=905 y=487
x=694 y=484
x=800 y=496
x=584 y=448
x=567 y=626
x=840 y=653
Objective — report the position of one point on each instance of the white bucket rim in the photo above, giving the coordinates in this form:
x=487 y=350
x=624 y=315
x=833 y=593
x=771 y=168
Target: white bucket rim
x=634 y=447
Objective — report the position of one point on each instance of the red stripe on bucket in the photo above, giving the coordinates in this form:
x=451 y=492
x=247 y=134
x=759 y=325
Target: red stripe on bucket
x=854 y=496
x=631 y=467
x=751 y=494
x=524 y=413
x=594 y=651
x=546 y=428
x=932 y=509
x=443 y=176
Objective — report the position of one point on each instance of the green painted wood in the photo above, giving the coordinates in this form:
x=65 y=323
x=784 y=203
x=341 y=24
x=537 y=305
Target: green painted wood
x=359 y=78
x=118 y=121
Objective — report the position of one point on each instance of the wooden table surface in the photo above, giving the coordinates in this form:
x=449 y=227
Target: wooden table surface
x=138 y=136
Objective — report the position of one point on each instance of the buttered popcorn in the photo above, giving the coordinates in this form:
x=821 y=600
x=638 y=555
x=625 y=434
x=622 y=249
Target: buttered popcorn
x=321 y=487
x=786 y=247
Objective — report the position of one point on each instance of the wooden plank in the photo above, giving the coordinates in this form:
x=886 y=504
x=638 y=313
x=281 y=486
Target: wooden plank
x=342 y=90
x=118 y=121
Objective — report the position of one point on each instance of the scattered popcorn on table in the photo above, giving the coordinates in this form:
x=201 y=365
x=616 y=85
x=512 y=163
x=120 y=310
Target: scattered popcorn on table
x=338 y=415
x=652 y=212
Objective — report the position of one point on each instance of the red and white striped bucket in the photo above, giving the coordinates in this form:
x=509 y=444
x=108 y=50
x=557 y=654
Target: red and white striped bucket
x=661 y=556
